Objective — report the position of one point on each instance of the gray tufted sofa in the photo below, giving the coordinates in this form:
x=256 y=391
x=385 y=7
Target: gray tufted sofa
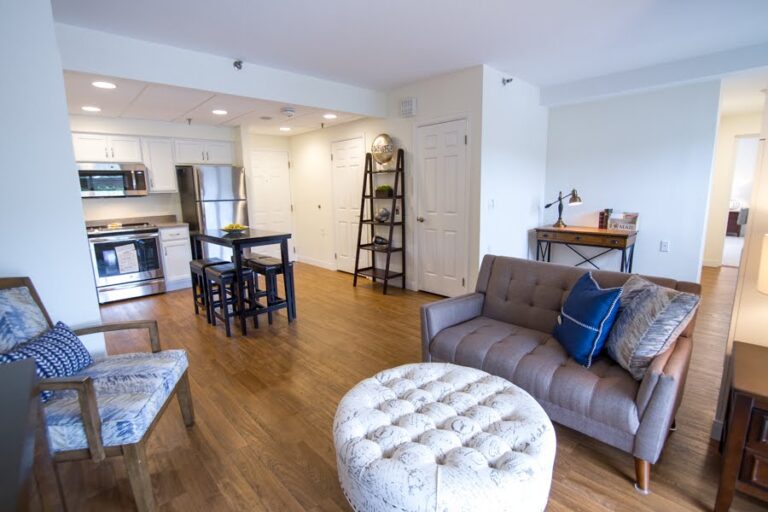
x=505 y=327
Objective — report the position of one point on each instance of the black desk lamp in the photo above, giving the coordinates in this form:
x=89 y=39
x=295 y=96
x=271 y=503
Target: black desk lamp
x=573 y=201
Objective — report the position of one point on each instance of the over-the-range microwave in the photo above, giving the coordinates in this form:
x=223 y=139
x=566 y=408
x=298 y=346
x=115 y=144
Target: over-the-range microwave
x=109 y=179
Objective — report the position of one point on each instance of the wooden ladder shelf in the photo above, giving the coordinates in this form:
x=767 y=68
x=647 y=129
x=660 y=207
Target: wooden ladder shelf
x=382 y=274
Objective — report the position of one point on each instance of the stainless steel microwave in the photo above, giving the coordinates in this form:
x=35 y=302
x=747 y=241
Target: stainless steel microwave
x=107 y=179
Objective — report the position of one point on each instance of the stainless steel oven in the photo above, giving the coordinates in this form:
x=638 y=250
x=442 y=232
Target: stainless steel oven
x=105 y=179
x=126 y=262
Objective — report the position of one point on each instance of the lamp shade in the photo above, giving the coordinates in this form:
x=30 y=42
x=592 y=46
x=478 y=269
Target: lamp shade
x=575 y=199
x=762 y=273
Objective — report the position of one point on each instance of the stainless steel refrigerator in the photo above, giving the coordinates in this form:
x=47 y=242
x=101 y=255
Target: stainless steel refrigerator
x=212 y=196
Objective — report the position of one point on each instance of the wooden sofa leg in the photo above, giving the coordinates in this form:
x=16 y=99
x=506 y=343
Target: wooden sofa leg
x=673 y=427
x=136 y=463
x=184 y=394
x=642 y=475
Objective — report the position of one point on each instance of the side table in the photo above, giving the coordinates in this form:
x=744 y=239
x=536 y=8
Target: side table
x=745 y=455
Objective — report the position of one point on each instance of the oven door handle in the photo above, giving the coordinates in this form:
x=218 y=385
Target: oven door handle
x=123 y=238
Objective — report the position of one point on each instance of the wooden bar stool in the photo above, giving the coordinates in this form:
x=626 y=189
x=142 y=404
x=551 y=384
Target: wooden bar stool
x=199 y=284
x=270 y=268
x=220 y=288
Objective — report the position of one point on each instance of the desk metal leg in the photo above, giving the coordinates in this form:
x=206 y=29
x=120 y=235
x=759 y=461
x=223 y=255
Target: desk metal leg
x=631 y=257
x=549 y=252
x=237 y=259
x=623 y=260
x=287 y=279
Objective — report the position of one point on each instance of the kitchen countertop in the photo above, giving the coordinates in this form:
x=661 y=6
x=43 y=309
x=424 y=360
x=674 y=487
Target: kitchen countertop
x=161 y=221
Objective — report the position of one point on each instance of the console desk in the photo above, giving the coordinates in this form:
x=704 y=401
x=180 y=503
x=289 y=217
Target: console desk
x=607 y=239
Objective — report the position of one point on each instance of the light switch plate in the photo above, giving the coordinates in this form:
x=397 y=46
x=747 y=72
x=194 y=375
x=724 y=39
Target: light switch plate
x=664 y=246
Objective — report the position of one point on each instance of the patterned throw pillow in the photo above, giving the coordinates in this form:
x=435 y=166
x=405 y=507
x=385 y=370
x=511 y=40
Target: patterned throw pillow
x=651 y=317
x=20 y=317
x=586 y=319
x=57 y=353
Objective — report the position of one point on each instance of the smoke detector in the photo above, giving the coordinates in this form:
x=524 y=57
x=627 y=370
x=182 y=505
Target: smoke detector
x=288 y=112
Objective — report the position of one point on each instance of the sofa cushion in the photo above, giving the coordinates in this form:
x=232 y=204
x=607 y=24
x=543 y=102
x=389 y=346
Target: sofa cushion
x=586 y=319
x=130 y=391
x=604 y=393
x=651 y=318
x=57 y=352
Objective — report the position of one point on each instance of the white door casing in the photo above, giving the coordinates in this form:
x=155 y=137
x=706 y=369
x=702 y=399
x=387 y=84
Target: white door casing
x=268 y=187
x=442 y=190
x=347 y=167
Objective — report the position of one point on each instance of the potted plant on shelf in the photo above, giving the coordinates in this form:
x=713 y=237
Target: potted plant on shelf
x=384 y=191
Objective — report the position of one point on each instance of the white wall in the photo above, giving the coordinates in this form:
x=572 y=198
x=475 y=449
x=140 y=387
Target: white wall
x=744 y=165
x=513 y=164
x=442 y=98
x=152 y=204
x=729 y=128
x=650 y=153
x=43 y=230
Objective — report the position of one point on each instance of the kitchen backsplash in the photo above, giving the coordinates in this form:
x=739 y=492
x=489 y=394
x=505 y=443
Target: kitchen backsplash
x=119 y=207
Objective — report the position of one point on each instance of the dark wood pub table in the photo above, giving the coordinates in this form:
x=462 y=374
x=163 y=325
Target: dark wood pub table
x=245 y=240
x=745 y=450
x=607 y=239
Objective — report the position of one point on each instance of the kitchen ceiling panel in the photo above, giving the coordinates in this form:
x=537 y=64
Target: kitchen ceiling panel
x=165 y=103
x=81 y=92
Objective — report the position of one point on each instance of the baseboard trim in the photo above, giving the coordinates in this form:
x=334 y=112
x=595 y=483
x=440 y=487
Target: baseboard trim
x=317 y=263
x=717 y=430
x=178 y=284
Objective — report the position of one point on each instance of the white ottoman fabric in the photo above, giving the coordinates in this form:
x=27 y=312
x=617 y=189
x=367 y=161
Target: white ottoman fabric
x=441 y=437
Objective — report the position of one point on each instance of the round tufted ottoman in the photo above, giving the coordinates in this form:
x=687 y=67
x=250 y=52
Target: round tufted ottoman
x=441 y=437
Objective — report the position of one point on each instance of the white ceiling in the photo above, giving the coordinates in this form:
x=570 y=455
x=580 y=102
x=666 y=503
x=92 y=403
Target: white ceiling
x=139 y=100
x=382 y=44
x=744 y=92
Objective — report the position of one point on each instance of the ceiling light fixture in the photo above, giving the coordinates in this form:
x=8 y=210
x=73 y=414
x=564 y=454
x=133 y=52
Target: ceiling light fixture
x=104 y=85
x=89 y=108
x=285 y=128
x=330 y=116
x=219 y=112
x=266 y=118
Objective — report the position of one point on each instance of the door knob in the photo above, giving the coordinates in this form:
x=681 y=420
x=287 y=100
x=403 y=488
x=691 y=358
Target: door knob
x=420 y=219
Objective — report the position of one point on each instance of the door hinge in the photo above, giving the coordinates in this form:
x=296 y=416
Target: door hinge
x=294 y=249
x=291 y=207
x=462 y=281
x=465 y=140
x=331 y=157
x=289 y=164
x=335 y=256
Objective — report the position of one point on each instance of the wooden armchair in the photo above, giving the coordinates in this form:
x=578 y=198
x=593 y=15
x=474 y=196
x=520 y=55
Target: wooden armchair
x=111 y=407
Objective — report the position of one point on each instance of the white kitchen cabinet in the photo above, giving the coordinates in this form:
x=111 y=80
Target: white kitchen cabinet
x=189 y=151
x=176 y=254
x=219 y=152
x=97 y=147
x=161 y=164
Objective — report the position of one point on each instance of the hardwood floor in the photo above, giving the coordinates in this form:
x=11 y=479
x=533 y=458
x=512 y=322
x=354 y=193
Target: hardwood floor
x=265 y=406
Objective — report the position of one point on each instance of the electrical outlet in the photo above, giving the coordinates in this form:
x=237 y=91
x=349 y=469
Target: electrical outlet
x=664 y=246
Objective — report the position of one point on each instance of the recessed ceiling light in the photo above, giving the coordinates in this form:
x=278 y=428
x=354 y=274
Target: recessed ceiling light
x=104 y=85
x=88 y=108
x=285 y=128
x=219 y=112
x=330 y=116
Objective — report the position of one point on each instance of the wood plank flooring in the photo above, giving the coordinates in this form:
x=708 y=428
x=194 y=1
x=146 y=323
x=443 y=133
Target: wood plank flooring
x=265 y=406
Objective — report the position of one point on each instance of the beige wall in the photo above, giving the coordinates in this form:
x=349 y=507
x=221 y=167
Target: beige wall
x=729 y=128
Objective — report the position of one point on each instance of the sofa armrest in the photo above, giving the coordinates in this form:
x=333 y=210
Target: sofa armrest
x=89 y=409
x=150 y=325
x=659 y=397
x=446 y=313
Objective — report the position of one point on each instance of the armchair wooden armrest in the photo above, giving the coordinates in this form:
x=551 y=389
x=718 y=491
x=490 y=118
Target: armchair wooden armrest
x=151 y=325
x=89 y=409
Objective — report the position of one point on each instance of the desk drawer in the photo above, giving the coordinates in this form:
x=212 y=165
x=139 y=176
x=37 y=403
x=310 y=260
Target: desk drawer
x=574 y=238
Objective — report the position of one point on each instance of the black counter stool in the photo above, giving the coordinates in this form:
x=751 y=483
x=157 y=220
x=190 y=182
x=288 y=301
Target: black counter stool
x=221 y=294
x=199 y=284
x=270 y=268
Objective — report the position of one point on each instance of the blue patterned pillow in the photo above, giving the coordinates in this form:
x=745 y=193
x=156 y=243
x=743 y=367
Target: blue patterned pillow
x=20 y=317
x=586 y=319
x=57 y=353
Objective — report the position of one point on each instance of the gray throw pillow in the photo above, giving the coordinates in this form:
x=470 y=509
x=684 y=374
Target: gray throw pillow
x=651 y=317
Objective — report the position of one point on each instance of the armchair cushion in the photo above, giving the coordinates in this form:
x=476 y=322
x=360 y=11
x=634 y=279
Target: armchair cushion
x=57 y=352
x=20 y=317
x=131 y=389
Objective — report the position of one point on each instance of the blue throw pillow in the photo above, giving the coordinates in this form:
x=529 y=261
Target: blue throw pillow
x=57 y=352
x=586 y=319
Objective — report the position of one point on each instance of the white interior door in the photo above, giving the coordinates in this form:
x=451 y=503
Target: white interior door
x=348 y=169
x=441 y=226
x=269 y=196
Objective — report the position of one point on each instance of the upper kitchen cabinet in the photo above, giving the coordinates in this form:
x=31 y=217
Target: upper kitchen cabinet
x=204 y=152
x=159 y=159
x=96 y=147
